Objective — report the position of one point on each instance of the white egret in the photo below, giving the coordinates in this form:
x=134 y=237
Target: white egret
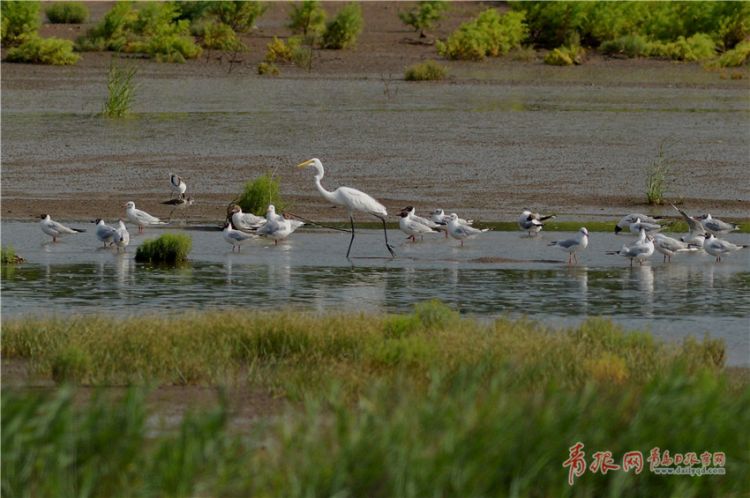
x=104 y=232
x=141 y=218
x=579 y=242
x=55 y=229
x=718 y=248
x=460 y=231
x=121 y=237
x=532 y=222
x=352 y=199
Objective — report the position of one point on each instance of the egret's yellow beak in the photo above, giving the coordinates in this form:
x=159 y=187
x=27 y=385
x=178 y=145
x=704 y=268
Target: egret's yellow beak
x=305 y=164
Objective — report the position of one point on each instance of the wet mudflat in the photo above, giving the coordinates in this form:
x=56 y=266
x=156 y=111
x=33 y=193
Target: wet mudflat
x=499 y=273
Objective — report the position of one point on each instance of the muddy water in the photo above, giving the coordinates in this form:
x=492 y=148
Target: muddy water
x=500 y=273
x=481 y=148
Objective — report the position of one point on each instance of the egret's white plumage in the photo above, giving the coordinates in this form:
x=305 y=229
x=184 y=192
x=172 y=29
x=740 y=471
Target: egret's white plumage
x=625 y=222
x=460 y=231
x=55 y=229
x=718 y=247
x=352 y=199
x=141 y=218
x=579 y=242
x=277 y=227
x=104 y=232
x=235 y=237
x=177 y=185
x=532 y=222
x=641 y=249
x=669 y=246
x=121 y=237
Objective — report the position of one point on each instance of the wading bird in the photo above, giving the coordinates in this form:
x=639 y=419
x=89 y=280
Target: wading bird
x=277 y=227
x=579 y=242
x=697 y=235
x=438 y=216
x=177 y=185
x=180 y=202
x=716 y=226
x=235 y=237
x=411 y=226
x=639 y=225
x=352 y=199
x=121 y=237
x=718 y=248
x=141 y=218
x=641 y=249
x=669 y=246
x=459 y=231
x=55 y=229
x=244 y=221
x=532 y=222
x=104 y=232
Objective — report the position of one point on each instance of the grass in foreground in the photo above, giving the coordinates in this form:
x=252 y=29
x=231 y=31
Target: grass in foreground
x=424 y=404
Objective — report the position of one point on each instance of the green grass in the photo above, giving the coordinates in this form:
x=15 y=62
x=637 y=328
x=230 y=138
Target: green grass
x=8 y=255
x=262 y=191
x=657 y=177
x=36 y=50
x=426 y=71
x=170 y=248
x=67 y=13
x=344 y=29
x=421 y=404
x=120 y=91
x=20 y=20
x=490 y=34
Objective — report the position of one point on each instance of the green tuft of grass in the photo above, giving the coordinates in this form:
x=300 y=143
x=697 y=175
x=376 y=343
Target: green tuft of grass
x=70 y=364
x=170 y=248
x=120 y=91
x=426 y=71
x=8 y=256
x=37 y=50
x=657 y=176
x=259 y=193
x=344 y=29
x=67 y=13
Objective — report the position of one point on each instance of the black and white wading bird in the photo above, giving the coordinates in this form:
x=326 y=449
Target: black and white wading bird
x=718 y=247
x=55 y=229
x=532 y=222
x=177 y=185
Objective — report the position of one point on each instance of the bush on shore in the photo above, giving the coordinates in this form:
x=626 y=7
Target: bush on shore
x=490 y=34
x=67 y=13
x=426 y=71
x=20 y=20
x=36 y=50
x=344 y=29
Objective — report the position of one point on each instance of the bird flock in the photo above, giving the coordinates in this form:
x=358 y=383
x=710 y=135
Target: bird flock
x=239 y=228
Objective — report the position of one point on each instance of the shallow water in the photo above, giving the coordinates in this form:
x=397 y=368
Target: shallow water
x=497 y=273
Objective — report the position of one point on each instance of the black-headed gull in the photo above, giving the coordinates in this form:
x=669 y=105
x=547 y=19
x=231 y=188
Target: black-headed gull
x=244 y=221
x=55 y=229
x=177 y=185
x=104 y=232
x=235 y=237
x=718 y=247
x=697 y=234
x=639 y=225
x=439 y=217
x=669 y=246
x=141 y=218
x=121 y=237
x=641 y=249
x=277 y=227
x=716 y=226
x=532 y=222
x=625 y=222
x=413 y=227
x=461 y=231
x=578 y=243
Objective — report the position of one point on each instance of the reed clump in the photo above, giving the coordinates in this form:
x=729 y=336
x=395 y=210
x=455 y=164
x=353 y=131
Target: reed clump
x=170 y=248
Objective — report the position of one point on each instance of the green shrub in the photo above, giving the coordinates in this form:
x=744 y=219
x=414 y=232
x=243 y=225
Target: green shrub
x=192 y=11
x=302 y=55
x=490 y=34
x=307 y=17
x=36 y=50
x=262 y=191
x=738 y=56
x=628 y=45
x=279 y=51
x=567 y=55
x=426 y=71
x=112 y=32
x=219 y=36
x=240 y=15
x=344 y=29
x=67 y=13
x=71 y=364
x=20 y=19
x=268 y=69
x=170 y=248
x=424 y=15
x=120 y=91
x=8 y=256
x=698 y=47
x=168 y=47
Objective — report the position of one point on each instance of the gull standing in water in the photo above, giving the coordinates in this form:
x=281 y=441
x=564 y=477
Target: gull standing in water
x=121 y=237
x=277 y=227
x=352 y=199
x=718 y=248
x=104 y=232
x=697 y=235
x=411 y=226
x=716 y=226
x=461 y=232
x=641 y=249
x=141 y=218
x=669 y=246
x=244 y=221
x=177 y=185
x=55 y=229
x=579 y=242
x=439 y=217
x=532 y=222
x=235 y=237
x=625 y=222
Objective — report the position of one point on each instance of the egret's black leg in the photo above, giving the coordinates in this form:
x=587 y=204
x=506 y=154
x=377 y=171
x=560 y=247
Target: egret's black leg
x=351 y=218
x=387 y=245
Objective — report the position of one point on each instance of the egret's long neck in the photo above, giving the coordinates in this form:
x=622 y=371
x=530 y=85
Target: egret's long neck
x=325 y=193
